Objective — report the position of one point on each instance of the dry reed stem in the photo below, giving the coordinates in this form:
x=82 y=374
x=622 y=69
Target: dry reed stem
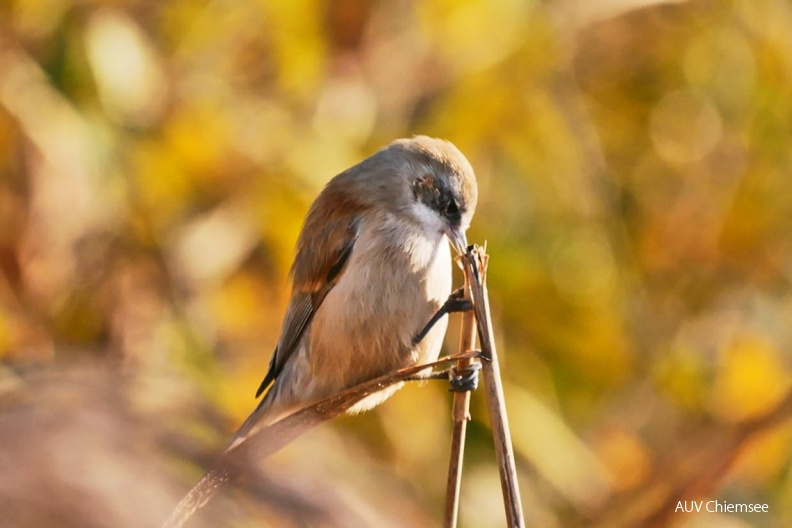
x=265 y=442
x=475 y=260
x=460 y=414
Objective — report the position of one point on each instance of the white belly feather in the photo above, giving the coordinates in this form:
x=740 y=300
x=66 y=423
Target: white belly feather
x=386 y=295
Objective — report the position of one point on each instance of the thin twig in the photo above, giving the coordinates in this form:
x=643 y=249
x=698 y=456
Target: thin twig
x=460 y=414
x=262 y=443
x=476 y=262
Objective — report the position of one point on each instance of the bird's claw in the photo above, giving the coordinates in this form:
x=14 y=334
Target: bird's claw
x=464 y=379
x=455 y=303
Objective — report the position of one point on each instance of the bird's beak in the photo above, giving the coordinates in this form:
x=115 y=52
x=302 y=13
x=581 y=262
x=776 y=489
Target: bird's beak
x=458 y=240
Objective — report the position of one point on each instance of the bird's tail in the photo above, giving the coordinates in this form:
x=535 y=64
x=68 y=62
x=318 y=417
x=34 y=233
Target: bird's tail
x=269 y=410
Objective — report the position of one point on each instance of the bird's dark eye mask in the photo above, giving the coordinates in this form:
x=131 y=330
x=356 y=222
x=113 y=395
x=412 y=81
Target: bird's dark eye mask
x=436 y=194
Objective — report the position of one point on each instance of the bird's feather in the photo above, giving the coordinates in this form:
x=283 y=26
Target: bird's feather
x=325 y=245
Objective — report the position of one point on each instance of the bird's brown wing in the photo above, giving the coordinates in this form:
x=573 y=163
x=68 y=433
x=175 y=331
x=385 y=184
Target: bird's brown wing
x=323 y=250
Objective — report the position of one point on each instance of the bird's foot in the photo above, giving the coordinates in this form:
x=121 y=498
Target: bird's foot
x=464 y=379
x=455 y=303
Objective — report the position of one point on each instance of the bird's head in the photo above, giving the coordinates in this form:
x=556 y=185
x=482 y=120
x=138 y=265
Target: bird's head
x=438 y=186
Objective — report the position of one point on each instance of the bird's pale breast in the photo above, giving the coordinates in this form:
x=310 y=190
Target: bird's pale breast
x=390 y=289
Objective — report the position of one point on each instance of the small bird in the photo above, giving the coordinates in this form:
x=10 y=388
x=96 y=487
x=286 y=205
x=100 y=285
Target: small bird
x=371 y=268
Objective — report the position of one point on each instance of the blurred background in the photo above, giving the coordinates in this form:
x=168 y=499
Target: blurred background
x=633 y=158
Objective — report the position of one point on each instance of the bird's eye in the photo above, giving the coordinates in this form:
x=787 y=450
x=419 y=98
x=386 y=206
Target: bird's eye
x=452 y=208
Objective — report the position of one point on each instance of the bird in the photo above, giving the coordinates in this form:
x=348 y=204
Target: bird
x=372 y=266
